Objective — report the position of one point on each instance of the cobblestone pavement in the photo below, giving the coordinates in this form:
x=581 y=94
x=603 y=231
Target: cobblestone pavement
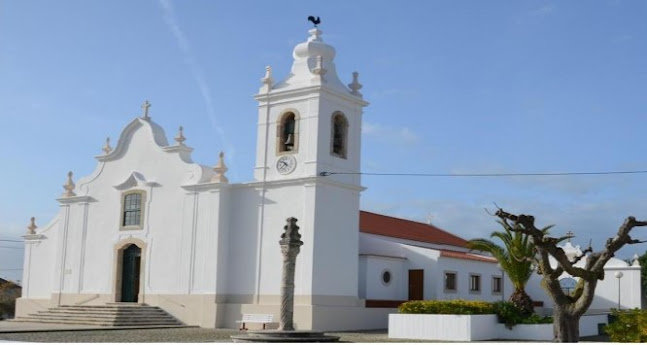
x=181 y=335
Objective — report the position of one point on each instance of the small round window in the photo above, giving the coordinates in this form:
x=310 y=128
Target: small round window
x=386 y=277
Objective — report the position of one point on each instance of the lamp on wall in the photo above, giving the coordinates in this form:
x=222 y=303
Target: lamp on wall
x=618 y=275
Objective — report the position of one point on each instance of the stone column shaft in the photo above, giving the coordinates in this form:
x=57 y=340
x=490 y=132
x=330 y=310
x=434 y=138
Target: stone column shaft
x=290 y=247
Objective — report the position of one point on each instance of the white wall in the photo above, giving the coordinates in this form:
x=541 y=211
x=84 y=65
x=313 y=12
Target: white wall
x=463 y=269
x=38 y=271
x=377 y=250
x=371 y=276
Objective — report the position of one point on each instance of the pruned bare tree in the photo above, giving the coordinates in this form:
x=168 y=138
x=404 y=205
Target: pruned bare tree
x=568 y=307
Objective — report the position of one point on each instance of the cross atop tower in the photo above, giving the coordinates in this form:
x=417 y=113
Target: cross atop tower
x=145 y=107
x=571 y=234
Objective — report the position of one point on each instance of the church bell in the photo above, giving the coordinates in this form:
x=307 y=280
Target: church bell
x=289 y=141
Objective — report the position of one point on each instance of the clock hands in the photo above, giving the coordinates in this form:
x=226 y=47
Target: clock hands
x=285 y=165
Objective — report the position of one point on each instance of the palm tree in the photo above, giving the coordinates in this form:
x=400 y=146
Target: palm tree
x=515 y=258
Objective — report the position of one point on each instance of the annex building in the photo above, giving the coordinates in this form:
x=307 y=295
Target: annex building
x=151 y=226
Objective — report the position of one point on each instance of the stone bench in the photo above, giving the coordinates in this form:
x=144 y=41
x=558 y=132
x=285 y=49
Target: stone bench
x=255 y=318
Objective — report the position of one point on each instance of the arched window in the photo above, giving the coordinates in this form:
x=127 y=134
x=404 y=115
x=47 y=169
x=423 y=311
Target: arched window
x=132 y=210
x=287 y=133
x=339 y=140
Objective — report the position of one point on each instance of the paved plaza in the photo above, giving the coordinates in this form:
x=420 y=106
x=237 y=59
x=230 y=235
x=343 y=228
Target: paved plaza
x=56 y=333
x=53 y=333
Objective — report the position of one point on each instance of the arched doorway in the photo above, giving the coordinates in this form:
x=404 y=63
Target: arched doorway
x=130 y=269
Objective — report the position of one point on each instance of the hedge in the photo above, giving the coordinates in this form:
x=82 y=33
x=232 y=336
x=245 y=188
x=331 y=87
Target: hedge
x=459 y=307
x=630 y=326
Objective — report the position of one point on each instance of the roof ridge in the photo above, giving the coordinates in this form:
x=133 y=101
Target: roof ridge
x=416 y=222
x=398 y=218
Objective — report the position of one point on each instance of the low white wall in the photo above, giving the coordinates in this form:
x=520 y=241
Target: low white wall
x=477 y=327
x=442 y=327
x=525 y=332
x=589 y=324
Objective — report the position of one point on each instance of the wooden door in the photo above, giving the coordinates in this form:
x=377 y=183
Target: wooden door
x=130 y=274
x=416 y=285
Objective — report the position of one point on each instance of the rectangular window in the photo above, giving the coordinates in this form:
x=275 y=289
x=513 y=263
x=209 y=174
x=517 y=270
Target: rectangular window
x=132 y=209
x=475 y=283
x=450 y=281
x=496 y=285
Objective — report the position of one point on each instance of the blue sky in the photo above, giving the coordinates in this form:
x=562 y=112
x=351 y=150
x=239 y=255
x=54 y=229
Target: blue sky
x=454 y=86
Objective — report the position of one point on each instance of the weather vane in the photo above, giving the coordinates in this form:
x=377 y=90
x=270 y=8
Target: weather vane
x=314 y=20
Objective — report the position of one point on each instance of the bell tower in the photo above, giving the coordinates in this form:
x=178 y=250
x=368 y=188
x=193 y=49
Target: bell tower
x=310 y=122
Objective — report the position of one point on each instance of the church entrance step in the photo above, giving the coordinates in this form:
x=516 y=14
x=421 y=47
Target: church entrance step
x=114 y=314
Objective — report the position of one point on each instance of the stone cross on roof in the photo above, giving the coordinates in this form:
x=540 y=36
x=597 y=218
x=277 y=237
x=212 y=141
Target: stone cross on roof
x=145 y=107
x=31 y=228
x=570 y=233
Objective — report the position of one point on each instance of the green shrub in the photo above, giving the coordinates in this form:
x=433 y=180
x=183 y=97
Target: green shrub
x=535 y=319
x=508 y=313
x=458 y=307
x=630 y=326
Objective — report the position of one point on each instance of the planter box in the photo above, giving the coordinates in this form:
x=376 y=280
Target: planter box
x=542 y=332
x=477 y=327
x=442 y=327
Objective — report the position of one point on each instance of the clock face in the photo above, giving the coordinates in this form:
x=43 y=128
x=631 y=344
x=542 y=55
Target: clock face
x=286 y=165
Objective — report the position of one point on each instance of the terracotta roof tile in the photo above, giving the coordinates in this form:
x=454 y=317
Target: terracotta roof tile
x=465 y=256
x=377 y=224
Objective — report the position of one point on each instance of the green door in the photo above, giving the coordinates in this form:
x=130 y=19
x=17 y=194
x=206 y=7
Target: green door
x=130 y=273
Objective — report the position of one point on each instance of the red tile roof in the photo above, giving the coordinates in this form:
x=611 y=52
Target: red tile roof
x=466 y=256
x=378 y=224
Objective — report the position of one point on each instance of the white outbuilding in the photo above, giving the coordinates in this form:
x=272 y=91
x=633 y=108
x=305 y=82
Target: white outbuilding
x=151 y=226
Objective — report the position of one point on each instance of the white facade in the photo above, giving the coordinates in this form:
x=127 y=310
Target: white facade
x=379 y=254
x=207 y=251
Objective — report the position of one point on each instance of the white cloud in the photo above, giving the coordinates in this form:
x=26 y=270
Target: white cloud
x=398 y=135
x=544 y=10
x=205 y=91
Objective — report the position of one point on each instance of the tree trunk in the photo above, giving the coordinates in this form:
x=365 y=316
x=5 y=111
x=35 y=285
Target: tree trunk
x=566 y=327
x=521 y=299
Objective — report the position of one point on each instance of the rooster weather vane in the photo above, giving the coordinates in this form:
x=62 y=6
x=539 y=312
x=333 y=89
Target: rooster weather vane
x=314 y=20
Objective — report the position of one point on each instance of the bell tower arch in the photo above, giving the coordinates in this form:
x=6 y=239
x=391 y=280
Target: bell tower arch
x=310 y=122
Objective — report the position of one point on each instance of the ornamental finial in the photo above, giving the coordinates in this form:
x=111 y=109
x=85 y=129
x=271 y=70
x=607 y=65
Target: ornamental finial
x=69 y=186
x=220 y=169
x=267 y=79
x=145 y=107
x=355 y=85
x=291 y=235
x=635 y=261
x=31 y=228
x=180 y=136
x=319 y=70
x=106 y=148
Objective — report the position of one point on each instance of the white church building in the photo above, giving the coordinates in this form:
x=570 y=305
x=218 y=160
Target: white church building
x=151 y=226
